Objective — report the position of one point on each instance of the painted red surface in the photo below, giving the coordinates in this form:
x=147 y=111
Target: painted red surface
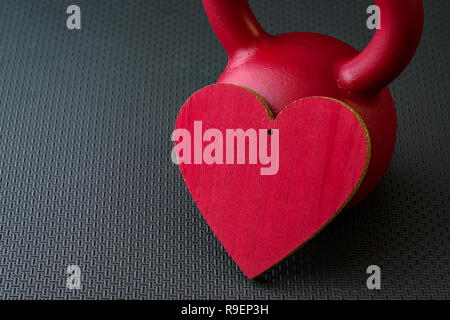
x=288 y=67
x=260 y=219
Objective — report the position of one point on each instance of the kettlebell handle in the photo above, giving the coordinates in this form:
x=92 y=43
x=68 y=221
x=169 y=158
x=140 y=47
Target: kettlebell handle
x=385 y=57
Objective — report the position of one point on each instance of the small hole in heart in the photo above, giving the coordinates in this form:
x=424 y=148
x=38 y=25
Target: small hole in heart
x=269 y=132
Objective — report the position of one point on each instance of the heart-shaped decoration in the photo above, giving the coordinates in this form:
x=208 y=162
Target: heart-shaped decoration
x=264 y=202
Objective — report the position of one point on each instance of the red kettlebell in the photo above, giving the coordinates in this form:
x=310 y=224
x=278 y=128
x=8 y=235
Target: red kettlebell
x=288 y=67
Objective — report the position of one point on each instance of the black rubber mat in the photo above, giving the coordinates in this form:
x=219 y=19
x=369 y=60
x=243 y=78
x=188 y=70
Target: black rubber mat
x=86 y=176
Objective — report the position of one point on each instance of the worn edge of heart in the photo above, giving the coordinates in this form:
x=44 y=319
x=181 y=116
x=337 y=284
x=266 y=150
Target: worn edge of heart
x=355 y=189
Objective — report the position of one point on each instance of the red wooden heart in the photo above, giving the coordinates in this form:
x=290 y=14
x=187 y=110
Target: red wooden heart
x=324 y=150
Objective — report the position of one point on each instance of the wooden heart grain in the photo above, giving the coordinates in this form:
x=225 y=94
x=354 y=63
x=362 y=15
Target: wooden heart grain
x=324 y=151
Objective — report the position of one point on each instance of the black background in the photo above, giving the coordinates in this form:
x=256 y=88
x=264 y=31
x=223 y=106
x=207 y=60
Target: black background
x=86 y=176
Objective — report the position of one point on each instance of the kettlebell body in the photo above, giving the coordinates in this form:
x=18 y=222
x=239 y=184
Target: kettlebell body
x=292 y=66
